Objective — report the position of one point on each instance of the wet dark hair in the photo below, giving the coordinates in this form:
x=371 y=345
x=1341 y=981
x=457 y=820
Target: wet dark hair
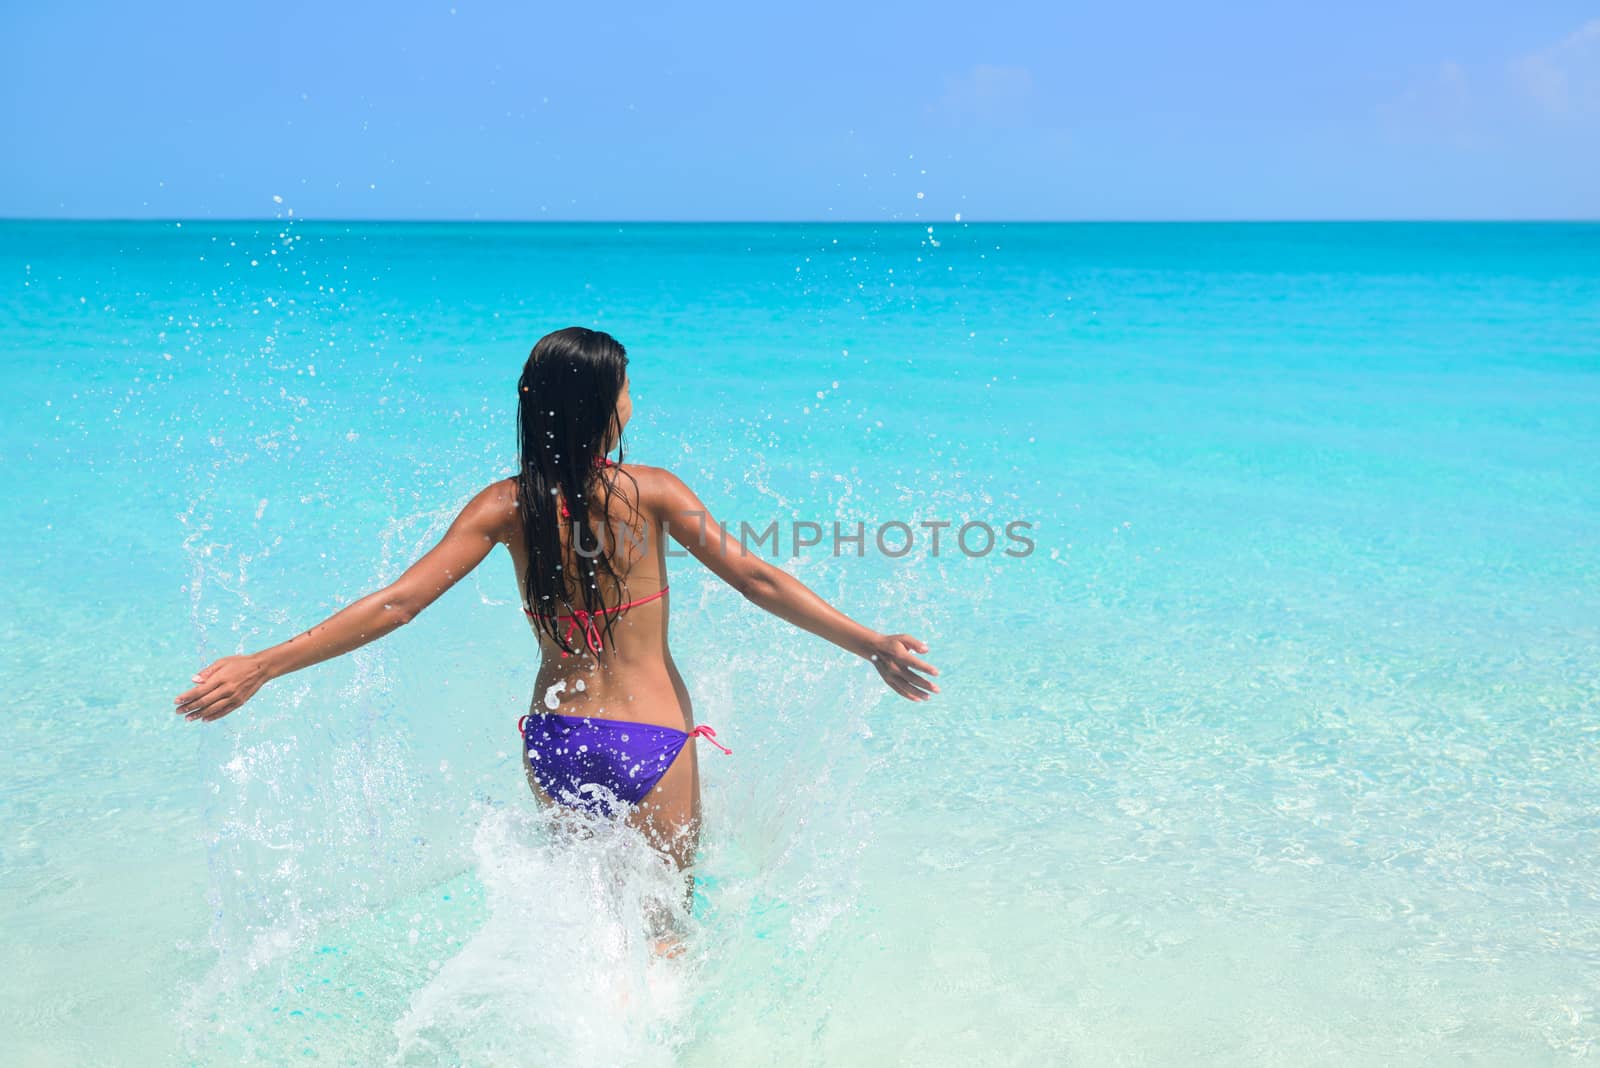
x=566 y=410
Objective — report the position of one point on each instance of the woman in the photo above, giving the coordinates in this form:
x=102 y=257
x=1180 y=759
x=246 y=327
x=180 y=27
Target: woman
x=611 y=718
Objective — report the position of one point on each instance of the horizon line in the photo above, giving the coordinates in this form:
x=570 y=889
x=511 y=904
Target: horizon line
x=1270 y=221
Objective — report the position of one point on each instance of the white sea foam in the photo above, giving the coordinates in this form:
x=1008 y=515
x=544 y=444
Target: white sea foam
x=565 y=969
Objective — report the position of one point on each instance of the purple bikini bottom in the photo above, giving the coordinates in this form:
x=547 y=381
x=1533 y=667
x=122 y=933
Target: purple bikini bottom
x=590 y=763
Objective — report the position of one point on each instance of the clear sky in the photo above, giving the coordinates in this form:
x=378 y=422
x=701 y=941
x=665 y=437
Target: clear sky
x=461 y=109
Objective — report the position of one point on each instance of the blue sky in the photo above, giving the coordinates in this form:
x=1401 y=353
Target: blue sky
x=463 y=109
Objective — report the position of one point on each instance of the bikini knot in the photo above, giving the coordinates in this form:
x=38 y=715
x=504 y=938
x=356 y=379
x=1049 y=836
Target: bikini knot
x=702 y=731
x=591 y=630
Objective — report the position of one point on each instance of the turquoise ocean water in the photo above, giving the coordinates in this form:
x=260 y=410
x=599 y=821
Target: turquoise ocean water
x=1282 y=747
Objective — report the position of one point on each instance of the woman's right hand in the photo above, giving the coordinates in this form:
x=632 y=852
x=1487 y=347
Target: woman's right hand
x=894 y=657
x=221 y=688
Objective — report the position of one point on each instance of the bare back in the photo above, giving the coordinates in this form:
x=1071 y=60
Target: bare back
x=633 y=677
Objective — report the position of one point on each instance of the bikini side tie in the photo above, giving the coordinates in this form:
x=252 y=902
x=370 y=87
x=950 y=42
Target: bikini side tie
x=703 y=731
x=700 y=731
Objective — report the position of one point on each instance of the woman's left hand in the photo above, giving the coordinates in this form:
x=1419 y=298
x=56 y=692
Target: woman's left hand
x=894 y=655
x=221 y=688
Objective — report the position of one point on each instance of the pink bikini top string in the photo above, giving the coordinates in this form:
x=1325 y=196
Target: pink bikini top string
x=585 y=620
x=591 y=630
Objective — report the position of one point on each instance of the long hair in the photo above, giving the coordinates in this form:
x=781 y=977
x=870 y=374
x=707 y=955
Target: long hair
x=566 y=412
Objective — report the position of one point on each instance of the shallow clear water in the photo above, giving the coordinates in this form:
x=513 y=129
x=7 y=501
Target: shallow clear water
x=1281 y=746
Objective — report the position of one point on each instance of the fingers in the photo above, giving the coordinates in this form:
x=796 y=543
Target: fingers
x=196 y=695
x=896 y=665
x=213 y=707
x=209 y=701
x=923 y=688
x=910 y=645
x=218 y=689
x=208 y=711
x=200 y=678
x=911 y=687
x=222 y=708
x=905 y=662
x=902 y=689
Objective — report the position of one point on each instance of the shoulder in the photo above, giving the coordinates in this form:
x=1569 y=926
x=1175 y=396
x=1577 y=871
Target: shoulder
x=493 y=510
x=659 y=489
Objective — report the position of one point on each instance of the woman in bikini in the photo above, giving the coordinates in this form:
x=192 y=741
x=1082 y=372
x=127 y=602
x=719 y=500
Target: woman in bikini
x=611 y=718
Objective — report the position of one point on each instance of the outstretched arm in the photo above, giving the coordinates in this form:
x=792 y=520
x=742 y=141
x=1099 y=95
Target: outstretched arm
x=687 y=520
x=233 y=680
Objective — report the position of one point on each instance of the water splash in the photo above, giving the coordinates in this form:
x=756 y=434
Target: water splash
x=566 y=967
